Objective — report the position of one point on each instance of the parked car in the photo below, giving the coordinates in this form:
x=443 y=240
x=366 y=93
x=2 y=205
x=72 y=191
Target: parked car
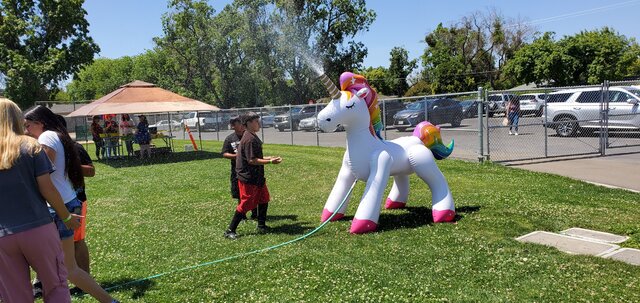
x=296 y=114
x=165 y=125
x=390 y=108
x=497 y=103
x=267 y=120
x=439 y=111
x=469 y=108
x=570 y=111
x=531 y=104
x=311 y=124
x=201 y=120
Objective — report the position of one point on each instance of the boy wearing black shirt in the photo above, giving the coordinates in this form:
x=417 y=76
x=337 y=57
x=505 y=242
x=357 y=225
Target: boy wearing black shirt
x=251 y=181
x=229 y=151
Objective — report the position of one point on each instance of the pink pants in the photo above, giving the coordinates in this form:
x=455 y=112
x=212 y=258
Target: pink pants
x=39 y=248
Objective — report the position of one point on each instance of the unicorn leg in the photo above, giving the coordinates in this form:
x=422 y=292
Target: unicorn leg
x=368 y=213
x=399 y=193
x=423 y=163
x=338 y=193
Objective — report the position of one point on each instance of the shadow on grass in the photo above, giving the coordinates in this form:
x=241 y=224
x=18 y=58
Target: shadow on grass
x=282 y=217
x=139 y=287
x=161 y=159
x=412 y=217
x=293 y=229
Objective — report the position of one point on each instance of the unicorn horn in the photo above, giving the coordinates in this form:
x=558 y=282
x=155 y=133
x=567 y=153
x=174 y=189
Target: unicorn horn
x=332 y=89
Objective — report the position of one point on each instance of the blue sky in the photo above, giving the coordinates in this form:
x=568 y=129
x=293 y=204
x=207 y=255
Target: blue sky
x=126 y=27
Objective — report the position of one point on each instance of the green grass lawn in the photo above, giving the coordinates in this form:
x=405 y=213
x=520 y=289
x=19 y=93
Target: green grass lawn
x=156 y=216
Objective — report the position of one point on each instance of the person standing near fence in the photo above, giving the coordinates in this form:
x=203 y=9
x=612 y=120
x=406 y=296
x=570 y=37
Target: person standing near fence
x=97 y=132
x=126 y=133
x=251 y=181
x=513 y=115
x=230 y=151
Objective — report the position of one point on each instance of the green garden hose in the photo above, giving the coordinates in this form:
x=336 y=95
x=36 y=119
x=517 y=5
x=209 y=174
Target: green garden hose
x=242 y=254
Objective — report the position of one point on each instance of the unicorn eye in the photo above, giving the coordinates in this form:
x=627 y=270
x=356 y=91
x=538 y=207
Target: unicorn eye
x=351 y=106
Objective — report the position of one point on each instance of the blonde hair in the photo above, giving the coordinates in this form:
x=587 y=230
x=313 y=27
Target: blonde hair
x=12 y=138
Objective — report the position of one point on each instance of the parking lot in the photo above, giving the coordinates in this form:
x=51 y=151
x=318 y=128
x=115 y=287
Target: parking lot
x=533 y=141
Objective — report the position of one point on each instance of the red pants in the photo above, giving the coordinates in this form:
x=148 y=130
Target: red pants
x=251 y=195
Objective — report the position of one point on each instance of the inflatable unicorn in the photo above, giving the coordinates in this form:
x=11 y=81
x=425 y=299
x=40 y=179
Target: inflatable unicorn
x=370 y=158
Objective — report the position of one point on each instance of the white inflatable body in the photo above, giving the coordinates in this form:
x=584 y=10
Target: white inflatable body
x=372 y=160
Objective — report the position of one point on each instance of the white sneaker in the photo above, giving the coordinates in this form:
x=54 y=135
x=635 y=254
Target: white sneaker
x=516 y=134
x=510 y=133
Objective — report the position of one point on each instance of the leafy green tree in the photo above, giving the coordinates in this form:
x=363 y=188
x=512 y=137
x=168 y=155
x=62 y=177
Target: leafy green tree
x=400 y=68
x=420 y=88
x=589 y=57
x=42 y=43
x=320 y=30
x=472 y=52
x=189 y=50
x=100 y=78
x=378 y=78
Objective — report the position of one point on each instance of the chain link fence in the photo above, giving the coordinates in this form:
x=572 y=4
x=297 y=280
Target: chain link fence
x=561 y=122
x=551 y=122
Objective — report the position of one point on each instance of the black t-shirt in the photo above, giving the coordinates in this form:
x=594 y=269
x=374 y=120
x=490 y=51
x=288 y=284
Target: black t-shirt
x=250 y=148
x=230 y=145
x=85 y=159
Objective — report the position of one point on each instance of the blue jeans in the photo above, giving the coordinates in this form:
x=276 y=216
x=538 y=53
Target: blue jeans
x=72 y=207
x=513 y=120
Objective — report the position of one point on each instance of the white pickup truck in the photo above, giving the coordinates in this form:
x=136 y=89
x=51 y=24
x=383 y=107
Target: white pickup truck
x=202 y=120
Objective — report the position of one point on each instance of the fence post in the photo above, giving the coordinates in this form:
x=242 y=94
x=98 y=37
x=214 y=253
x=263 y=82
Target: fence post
x=480 y=128
x=384 y=118
x=604 y=118
x=545 y=128
x=485 y=106
x=291 y=123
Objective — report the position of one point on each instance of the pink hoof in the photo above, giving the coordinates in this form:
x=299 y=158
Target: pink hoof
x=363 y=226
x=326 y=214
x=446 y=215
x=390 y=204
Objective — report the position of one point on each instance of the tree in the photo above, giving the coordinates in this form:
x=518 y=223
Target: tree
x=472 y=52
x=400 y=68
x=589 y=57
x=420 y=88
x=188 y=47
x=378 y=78
x=316 y=30
x=42 y=43
x=100 y=78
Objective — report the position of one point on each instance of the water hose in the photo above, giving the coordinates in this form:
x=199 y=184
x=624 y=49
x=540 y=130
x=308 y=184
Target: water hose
x=242 y=254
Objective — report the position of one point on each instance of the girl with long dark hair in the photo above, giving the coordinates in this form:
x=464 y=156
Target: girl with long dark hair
x=42 y=124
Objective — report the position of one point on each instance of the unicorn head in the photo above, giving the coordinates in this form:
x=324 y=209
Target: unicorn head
x=356 y=107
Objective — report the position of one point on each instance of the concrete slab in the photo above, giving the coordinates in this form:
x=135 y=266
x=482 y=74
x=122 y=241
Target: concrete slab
x=594 y=235
x=569 y=244
x=627 y=255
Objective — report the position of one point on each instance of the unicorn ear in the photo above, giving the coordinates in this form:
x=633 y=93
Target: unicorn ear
x=363 y=93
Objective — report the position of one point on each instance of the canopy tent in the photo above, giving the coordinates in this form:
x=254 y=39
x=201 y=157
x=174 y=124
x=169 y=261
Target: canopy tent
x=140 y=97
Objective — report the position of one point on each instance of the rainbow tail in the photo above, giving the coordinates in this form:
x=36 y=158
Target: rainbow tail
x=429 y=134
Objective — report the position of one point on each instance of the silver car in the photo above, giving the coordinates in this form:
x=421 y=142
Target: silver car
x=579 y=109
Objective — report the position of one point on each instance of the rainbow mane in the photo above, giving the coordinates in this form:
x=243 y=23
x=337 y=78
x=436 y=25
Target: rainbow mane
x=429 y=134
x=351 y=82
